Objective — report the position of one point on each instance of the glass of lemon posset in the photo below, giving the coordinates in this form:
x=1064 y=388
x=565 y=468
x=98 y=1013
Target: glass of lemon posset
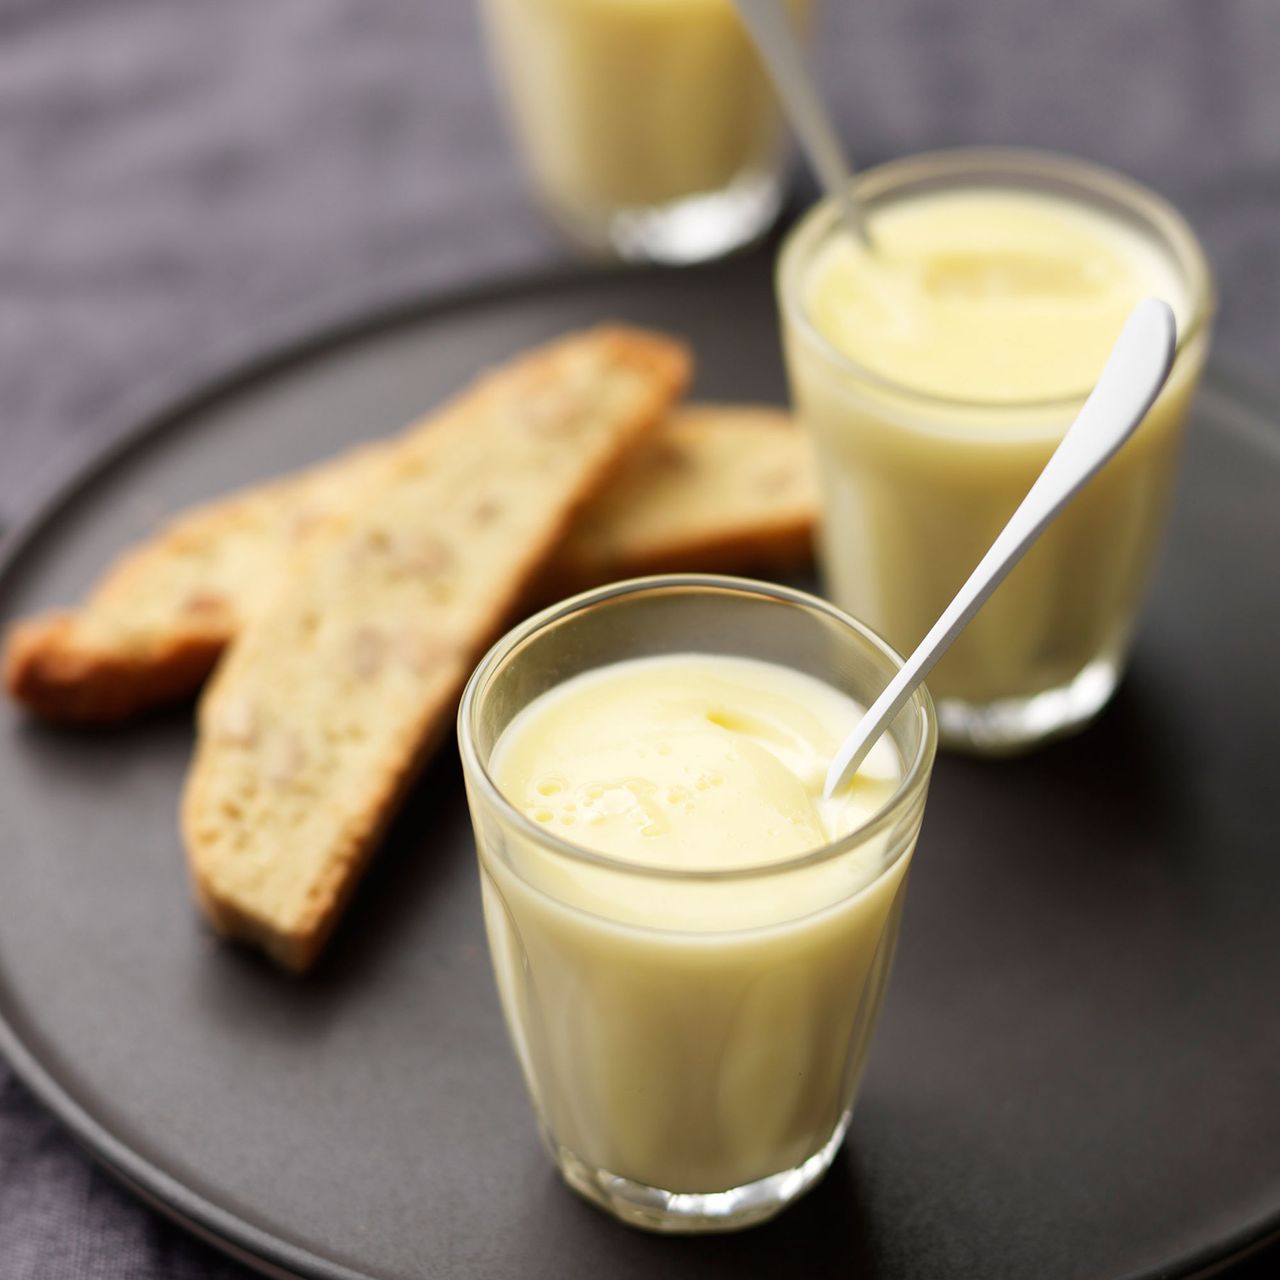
x=939 y=371
x=649 y=127
x=690 y=944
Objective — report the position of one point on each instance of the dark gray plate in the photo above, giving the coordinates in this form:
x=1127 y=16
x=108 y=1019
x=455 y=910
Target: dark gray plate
x=1078 y=1071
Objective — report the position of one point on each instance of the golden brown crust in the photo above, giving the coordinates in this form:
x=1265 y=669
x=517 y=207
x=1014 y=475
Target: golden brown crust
x=332 y=696
x=50 y=670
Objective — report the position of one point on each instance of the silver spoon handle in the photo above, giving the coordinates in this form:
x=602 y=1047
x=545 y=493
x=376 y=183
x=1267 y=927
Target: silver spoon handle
x=1135 y=371
x=775 y=38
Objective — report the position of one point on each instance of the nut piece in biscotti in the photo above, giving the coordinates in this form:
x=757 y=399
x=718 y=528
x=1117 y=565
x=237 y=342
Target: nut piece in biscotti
x=334 y=693
x=158 y=621
x=723 y=488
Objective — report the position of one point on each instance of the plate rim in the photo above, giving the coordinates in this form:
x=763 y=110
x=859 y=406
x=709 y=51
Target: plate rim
x=161 y=1191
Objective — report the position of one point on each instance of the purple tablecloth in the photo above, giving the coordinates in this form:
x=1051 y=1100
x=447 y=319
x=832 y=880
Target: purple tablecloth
x=181 y=183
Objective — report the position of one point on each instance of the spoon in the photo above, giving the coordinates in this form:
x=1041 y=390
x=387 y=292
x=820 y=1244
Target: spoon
x=775 y=38
x=1134 y=373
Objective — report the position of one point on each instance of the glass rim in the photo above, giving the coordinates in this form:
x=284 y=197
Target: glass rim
x=915 y=775
x=1088 y=182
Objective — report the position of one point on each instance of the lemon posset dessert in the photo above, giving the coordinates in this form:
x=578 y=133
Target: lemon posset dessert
x=649 y=126
x=687 y=1051
x=692 y=948
x=939 y=372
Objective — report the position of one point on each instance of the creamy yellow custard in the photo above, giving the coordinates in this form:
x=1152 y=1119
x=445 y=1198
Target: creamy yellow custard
x=938 y=374
x=997 y=296
x=690 y=763
x=634 y=103
x=690 y=1014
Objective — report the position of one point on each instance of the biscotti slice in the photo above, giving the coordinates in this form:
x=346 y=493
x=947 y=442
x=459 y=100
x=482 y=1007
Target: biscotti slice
x=154 y=627
x=333 y=694
x=727 y=488
x=723 y=488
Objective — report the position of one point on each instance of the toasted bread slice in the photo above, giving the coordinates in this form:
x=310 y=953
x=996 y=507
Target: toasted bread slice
x=336 y=690
x=722 y=487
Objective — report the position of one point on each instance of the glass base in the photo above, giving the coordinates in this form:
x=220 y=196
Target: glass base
x=1010 y=725
x=687 y=1212
x=693 y=229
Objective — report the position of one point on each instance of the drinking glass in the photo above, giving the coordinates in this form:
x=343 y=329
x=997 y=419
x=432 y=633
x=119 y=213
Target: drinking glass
x=692 y=1041
x=649 y=127
x=917 y=485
